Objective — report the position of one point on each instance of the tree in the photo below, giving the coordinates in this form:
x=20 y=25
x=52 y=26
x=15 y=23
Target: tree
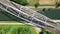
x=36 y=5
x=57 y=4
x=22 y=2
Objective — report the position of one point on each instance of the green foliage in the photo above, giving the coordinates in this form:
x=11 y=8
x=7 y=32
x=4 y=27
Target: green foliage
x=36 y=5
x=57 y=5
x=16 y=29
x=22 y=2
x=45 y=32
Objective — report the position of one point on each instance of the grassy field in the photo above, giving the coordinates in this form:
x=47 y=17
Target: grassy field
x=41 y=3
x=47 y=2
x=16 y=29
x=20 y=29
x=36 y=9
x=32 y=2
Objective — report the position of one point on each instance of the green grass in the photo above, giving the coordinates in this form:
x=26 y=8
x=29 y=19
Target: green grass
x=48 y=5
x=36 y=9
x=40 y=9
x=20 y=29
x=16 y=29
x=58 y=22
x=32 y=2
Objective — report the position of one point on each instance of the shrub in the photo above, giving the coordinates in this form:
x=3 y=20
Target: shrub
x=36 y=5
x=45 y=32
x=57 y=5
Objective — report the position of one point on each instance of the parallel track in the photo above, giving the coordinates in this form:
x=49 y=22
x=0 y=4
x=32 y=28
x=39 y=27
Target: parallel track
x=29 y=15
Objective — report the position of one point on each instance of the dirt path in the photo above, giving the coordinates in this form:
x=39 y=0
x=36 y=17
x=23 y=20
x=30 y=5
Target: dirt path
x=56 y=20
x=38 y=30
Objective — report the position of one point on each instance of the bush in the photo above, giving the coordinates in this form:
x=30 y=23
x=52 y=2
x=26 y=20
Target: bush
x=45 y=32
x=36 y=5
x=22 y=2
x=22 y=29
x=57 y=5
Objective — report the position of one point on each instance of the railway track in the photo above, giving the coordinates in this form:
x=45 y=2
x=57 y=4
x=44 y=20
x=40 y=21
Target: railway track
x=29 y=15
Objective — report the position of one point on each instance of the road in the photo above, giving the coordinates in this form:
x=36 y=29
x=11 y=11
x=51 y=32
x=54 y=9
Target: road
x=43 y=7
x=56 y=20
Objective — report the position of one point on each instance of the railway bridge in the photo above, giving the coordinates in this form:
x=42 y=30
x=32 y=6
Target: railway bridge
x=29 y=15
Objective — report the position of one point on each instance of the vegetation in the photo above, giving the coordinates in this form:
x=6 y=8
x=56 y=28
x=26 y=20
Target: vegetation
x=16 y=29
x=37 y=9
x=57 y=5
x=45 y=32
x=36 y=5
x=10 y=29
x=22 y=2
x=26 y=2
x=32 y=2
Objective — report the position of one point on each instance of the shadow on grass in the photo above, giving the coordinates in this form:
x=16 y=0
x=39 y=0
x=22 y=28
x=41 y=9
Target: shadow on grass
x=4 y=16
